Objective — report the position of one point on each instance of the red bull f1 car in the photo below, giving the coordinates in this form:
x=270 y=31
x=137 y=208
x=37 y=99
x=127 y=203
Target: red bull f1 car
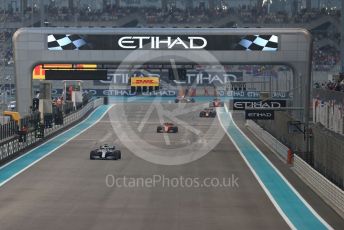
x=105 y=152
x=208 y=112
x=167 y=128
x=216 y=103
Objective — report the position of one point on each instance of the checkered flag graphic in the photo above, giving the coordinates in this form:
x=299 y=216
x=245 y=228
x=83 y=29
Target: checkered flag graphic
x=65 y=42
x=259 y=43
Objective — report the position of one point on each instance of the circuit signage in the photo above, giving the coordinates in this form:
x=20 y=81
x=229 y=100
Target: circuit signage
x=259 y=114
x=144 y=81
x=258 y=104
x=60 y=42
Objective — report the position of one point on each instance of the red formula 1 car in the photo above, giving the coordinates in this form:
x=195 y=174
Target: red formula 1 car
x=208 y=112
x=216 y=103
x=167 y=128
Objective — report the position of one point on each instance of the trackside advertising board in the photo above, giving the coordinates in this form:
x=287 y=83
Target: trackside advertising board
x=257 y=104
x=252 y=114
x=58 y=42
x=144 y=81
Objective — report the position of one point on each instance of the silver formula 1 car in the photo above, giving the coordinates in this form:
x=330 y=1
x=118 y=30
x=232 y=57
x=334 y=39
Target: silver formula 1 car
x=183 y=99
x=105 y=152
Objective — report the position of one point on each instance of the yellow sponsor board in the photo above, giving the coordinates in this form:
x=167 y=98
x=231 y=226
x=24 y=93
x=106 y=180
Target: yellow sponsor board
x=38 y=72
x=57 y=66
x=144 y=81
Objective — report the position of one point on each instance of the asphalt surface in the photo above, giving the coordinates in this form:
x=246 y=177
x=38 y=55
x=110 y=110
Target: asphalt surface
x=66 y=190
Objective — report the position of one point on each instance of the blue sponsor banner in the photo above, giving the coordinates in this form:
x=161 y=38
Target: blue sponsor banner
x=121 y=92
x=192 y=78
x=174 y=93
x=251 y=94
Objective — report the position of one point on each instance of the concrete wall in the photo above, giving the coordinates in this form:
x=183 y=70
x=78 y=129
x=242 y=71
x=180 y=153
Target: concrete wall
x=279 y=129
x=329 y=154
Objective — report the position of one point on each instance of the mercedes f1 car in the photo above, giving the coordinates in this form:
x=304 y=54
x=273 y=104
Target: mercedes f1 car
x=167 y=128
x=208 y=112
x=105 y=152
x=216 y=103
x=184 y=100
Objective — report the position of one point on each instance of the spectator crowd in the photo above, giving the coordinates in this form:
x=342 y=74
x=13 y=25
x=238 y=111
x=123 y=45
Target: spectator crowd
x=324 y=59
x=331 y=85
x=200 y=14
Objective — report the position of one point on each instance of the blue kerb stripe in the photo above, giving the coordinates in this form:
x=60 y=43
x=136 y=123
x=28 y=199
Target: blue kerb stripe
x=16 y=166
x=292 y=206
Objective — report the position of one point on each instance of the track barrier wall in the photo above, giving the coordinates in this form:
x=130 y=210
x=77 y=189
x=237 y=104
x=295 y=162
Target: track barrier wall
x=8 y=130
x=12 y=146
x=328 y=153
x=278 y=128
x=330 y=193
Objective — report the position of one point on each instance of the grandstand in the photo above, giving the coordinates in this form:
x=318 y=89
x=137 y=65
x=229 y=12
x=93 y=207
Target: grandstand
x=322 y=21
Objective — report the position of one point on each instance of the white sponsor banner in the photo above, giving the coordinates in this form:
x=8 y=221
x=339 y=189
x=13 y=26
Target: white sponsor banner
x=329 y=114
x=191 y=78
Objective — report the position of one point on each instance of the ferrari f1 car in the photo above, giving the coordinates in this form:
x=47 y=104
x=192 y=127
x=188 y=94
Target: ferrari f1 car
x=184 y=100
x=208 y=112
x=167 y=128
x=105 y=152
x=216 y=103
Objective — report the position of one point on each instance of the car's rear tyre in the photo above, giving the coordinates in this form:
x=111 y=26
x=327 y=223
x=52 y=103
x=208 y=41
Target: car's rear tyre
x=176 y=101
x=159 y=129
x=175 y=129
x=91 y=155
x=201 y=115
